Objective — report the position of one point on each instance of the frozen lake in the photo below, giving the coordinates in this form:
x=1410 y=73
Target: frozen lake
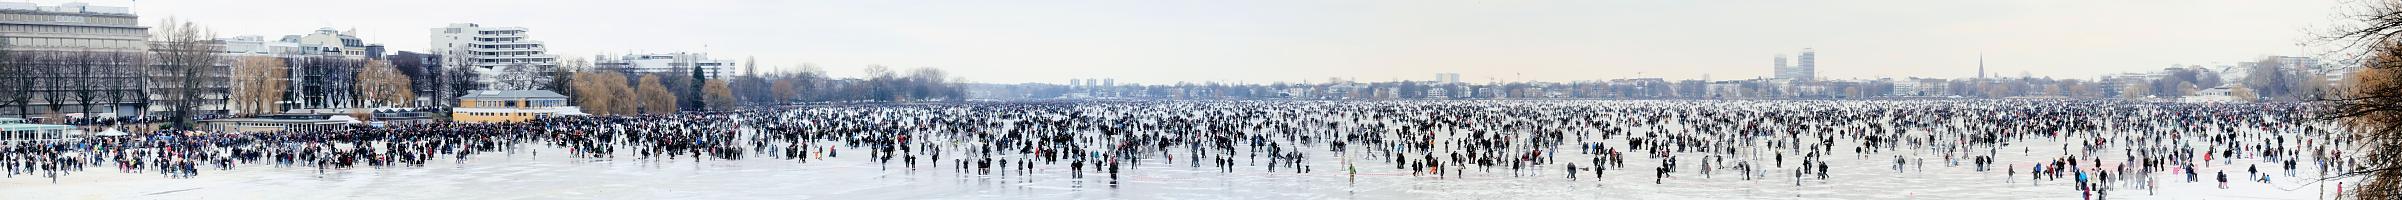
x=552 y=174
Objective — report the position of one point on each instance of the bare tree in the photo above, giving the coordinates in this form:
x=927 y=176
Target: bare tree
x=561 y=78
x=2372 y=108
x=57 y=80
x=187 y=54
x=524 y=76
x=16 y=80
x=260 y=84
x=457 y=82
x=379 y=84
x=784 y=90
x=127 y=78
x=458 y=77
x=87 y=81
x=137 y=78
x=2136 y=90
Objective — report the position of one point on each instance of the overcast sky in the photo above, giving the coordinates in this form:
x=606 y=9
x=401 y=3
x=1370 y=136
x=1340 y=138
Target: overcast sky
x=1156 y=42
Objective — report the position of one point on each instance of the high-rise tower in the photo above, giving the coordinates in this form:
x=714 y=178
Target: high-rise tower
x=1809 y=65
x=1782 y=70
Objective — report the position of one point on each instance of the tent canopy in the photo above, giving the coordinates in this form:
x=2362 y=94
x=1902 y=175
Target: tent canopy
x=112 y=132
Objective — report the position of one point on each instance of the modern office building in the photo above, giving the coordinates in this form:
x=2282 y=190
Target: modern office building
x=247 y=45
x=2299 y=63
x=1784 y=71
x=1808 y=70
x=71 y=27
x=74 y=32
x=676 y=64
x=489 y=50
x=322 y=42
x=1447 y=78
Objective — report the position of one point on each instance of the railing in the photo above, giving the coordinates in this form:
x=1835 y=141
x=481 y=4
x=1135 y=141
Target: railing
x=504 y=43
x=506 y=49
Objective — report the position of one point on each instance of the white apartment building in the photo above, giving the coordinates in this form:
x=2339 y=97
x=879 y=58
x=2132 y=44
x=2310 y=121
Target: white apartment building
x=327 y=41
x=249 y=45
x=675 y=64
x=489 y=50
x=323 y=42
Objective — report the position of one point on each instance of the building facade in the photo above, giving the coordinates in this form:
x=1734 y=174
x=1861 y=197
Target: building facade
x=321 y=66
x=1808 y=69
x=280 y=122
x=426 y=76
x=669 y=63
x=500 y=106
x=491 y=51
x=1805 y=71
x=72 y=60
x=328 y=42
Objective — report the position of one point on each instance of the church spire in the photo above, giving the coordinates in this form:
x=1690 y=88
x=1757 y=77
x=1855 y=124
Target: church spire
x=1980 y=66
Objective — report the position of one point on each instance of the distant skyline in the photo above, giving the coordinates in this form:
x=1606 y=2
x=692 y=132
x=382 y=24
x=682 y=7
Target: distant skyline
x=1160 y=42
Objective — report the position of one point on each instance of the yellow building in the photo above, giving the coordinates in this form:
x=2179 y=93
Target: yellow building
x=493 y=106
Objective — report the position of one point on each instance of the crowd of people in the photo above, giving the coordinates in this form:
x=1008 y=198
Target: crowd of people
x=2102 y=146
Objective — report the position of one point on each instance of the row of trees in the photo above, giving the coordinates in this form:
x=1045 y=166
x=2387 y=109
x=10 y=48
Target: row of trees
x=2282 y=83
x=261 y=84
x=1612 y=89
x=613 y=92
x=382 y=85
x=87 y=80
x=882 y=84
x=181 y=71
x=265 y=84
x=2274 y=79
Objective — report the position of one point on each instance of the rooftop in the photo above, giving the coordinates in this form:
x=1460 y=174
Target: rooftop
x=77 y=8
x=34 y=127
x=511 y=94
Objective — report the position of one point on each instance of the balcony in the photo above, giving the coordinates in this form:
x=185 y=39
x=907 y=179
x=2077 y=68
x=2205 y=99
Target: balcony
x=519 y=42
x=532 y=49
x=519 y=56
x=504 y=35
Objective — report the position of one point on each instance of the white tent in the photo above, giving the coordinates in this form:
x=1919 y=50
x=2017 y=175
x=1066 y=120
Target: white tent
x=111 y=132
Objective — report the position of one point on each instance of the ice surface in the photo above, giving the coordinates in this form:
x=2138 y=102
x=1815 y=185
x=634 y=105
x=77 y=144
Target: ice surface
x=525 y=175
x=536 y=172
